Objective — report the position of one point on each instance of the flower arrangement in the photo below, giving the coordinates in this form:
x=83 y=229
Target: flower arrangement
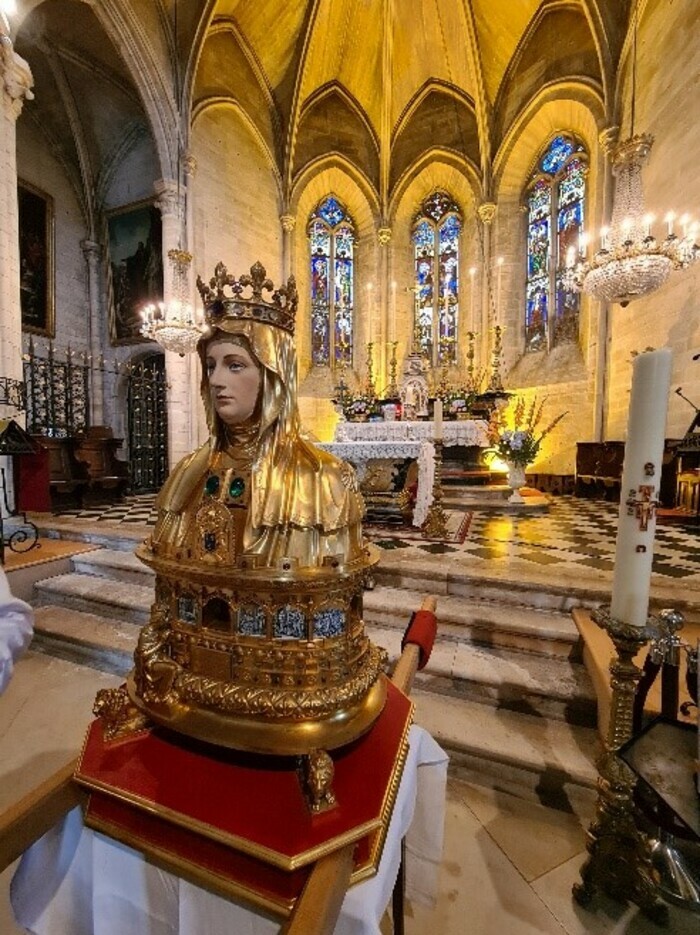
x=456 y=401
x=520 y=444
x=357 y=407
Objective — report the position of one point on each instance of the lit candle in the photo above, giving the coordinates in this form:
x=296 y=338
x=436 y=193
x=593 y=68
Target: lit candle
x=641 y=476
x=392 y=319
x=648 y=221
x=604 y=231
x=670 y=218
x=437 y=420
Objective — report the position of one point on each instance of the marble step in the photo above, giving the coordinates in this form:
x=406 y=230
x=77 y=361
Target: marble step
x=486 y=622
x=510 y=751
x=116 y=600
x=546 y=687
x=117 y=564
x=84 y=638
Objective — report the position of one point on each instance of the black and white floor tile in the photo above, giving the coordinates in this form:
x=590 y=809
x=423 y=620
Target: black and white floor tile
x=575 y=533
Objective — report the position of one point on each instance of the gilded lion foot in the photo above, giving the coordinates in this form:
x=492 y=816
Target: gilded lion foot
x=316 y=777
x=119 y=715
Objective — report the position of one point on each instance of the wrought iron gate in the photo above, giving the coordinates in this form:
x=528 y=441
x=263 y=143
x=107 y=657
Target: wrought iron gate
x=148 y=425
x=58 y=394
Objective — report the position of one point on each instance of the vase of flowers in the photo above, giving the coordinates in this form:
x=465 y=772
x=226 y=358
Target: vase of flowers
x=357 y=407
x=518 y=445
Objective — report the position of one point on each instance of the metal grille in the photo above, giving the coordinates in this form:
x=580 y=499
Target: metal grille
x=148 y=426
x=58 y=392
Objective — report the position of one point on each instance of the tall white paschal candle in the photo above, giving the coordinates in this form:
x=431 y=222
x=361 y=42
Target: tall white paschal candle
x=641 y=479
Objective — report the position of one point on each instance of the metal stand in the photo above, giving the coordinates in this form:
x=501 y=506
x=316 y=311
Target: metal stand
x=620 y=857
x=676 y=862
x=21 y=539
x=435 y=525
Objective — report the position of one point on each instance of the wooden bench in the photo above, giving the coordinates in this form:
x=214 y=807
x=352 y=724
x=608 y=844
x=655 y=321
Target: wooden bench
x=67 y=476
x=108 y=477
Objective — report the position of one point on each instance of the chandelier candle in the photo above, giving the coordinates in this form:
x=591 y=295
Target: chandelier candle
x=641 y=477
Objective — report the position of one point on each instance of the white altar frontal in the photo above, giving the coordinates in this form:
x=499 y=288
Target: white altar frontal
x=361 y=442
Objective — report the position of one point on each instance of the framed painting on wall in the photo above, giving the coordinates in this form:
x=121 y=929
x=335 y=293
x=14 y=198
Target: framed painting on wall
x=135 y=267
x=36 y=260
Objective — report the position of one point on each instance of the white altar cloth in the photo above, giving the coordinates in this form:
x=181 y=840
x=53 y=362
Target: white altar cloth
x=77 y=881
x=360 y=452
x=468 y=432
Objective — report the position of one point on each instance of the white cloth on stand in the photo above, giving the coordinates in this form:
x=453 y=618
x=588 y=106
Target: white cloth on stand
x=77 y=881
x=16 y=629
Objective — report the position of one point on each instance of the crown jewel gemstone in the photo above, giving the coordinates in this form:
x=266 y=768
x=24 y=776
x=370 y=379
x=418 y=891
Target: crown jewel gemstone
x=212 y=485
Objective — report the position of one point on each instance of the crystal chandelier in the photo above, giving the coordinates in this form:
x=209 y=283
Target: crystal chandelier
x=630 y=261
x=173 y=324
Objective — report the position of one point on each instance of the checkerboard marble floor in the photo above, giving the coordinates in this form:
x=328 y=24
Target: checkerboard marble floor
x=574 y=534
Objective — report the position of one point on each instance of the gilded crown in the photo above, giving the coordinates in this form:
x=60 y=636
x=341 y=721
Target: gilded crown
x=245 y=300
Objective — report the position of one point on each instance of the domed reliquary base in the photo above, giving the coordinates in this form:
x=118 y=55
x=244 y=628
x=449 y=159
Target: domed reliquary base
x=259 y=659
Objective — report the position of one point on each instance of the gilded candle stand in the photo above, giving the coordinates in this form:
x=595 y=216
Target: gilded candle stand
x=620 y=856
x=435 y=525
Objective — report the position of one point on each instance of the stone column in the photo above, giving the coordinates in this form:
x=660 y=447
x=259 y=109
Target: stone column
x=608 y=139
x=288 y=222
x=171 y=204
x=93 y=256
x=15 y=87
x=486 y=213
x=384 y=238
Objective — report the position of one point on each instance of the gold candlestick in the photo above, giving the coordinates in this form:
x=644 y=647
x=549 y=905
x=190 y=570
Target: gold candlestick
x=620 y=858
x=471 y=354
x=496 y=382
x=369 y=387
x=435 y=525
x=392 y=390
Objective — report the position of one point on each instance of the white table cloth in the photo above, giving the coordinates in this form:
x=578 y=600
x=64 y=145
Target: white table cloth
x=468 y=432
x=75 y=881
x=360 y=452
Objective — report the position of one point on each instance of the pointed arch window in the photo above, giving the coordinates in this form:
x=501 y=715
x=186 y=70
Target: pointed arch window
x=555 y=200
x=436 y=230
x=332 y=243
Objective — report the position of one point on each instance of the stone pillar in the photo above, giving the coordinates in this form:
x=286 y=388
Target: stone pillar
x=608 y=139
x=15 y=87
x=171 y=204
x=288 y=222
x=93 y=256
x=384 y=238
x=486 y=213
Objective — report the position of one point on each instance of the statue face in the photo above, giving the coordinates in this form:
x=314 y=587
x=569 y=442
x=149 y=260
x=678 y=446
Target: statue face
x=235 y=379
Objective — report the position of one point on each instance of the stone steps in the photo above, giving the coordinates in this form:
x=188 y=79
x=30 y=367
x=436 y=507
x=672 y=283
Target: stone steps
x=514 y=752
x=546 y=687
x=548 y=632
x=100 y=595
x=85 y=638
x=116 y=564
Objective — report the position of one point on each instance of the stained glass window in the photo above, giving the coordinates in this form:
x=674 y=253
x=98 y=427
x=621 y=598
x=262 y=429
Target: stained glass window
x=556 y=199
x=436 y=230
x=331 y=235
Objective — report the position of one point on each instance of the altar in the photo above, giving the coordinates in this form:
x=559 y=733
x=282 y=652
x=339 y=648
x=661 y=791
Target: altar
x=362 y=443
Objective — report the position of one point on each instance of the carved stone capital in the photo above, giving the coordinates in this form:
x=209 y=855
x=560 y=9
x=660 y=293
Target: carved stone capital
x=189 y=165
x=608 y=138
x=16 y=75
x=288 y=222
x=486 y=212
x=169 y=201
x=91 y=251
x=384 y=236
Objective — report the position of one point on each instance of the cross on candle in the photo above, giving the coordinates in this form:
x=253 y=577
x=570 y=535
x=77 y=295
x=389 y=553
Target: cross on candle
x=642 y=506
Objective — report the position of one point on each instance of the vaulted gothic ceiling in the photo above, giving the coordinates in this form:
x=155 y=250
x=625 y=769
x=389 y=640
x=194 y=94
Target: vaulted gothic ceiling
x=381 y=83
